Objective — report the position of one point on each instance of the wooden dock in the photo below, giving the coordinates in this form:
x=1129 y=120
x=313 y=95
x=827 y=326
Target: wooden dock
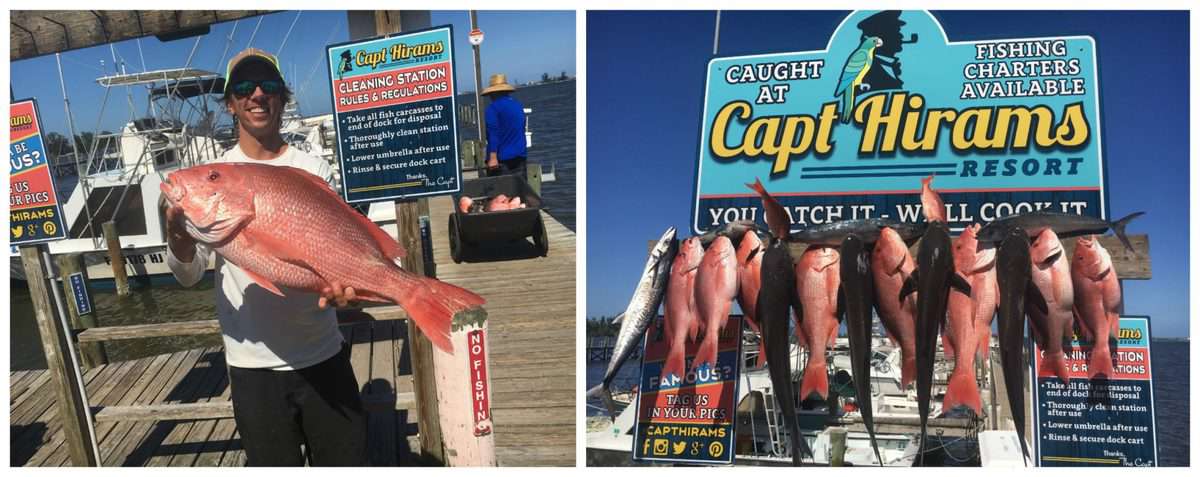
x=531 y=311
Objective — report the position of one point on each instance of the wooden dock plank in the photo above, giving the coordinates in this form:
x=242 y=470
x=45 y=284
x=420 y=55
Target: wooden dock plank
x=35 y=438
x=129 y=434
x=180 y=443
x=381 y=396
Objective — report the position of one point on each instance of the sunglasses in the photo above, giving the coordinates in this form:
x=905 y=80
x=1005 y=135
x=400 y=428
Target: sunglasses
x=246 y=87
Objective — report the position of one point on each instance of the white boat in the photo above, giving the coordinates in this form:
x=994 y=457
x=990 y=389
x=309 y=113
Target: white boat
x=119 y=180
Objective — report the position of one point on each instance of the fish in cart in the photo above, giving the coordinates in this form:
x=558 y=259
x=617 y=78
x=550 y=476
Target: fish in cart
x=891 y=264
x=642 y=309
x=775 y=299
x=288 y=228
x=1052 y=328
x=817 y=282
x=960 y=332
x=832 y=234
x=932 y=280
x=749 y=266
x=716 y=288
x=1097 y=302
x=681 y=316
x=858 y=295
x=1015 y=281
x=778 y=220
x=1064 y=225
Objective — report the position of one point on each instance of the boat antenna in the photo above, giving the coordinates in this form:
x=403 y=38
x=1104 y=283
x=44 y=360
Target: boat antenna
x=717 y=33
x=142 y=55
x=288 y=34
x=254 y=33
x=74 y=147
x=316 y=63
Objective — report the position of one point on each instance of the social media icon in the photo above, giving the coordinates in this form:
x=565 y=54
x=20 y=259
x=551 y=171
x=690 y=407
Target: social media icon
x=678 y=448
x=661 y=446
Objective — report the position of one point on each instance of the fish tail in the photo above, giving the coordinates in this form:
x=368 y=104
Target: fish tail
x=674 y=365
x=908 y=370
x=927 y=181
x=1056 y=364
x=985 y=338
x=1119 y=229
x=762 y=356
x=432 y=305
x=1101 y=361
x=757 y=187
x=601 y=391
x=815 y=380
x=962 y=391
x=708 y=350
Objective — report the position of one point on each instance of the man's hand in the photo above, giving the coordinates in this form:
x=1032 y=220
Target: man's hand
x=337 y=294
x=183 y=246
x=493 y=162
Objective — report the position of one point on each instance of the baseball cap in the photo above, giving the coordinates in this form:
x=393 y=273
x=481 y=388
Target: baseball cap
x=251 y=54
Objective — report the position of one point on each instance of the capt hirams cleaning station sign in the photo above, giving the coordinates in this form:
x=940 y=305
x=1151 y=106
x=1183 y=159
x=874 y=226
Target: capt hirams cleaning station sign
x=1005 y=126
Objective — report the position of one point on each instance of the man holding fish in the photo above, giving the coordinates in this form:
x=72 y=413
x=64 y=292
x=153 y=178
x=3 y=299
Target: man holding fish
x=290 y=377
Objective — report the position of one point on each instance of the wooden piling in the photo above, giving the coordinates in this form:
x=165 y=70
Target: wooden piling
x=113 y=241
x=70 y=403
x=424 y=383
x=533 y=175
x=837 y=442
x=92 y=354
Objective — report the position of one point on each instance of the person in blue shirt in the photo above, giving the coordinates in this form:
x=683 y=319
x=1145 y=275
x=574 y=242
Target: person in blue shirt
x=505 y=120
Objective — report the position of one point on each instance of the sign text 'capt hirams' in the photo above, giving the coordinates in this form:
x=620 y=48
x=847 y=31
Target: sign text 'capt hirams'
x=1004 y=125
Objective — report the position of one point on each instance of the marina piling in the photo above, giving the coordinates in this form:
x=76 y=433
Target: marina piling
x=113 y=240
x=837 y=440
x=92 y=354
x=70 y=402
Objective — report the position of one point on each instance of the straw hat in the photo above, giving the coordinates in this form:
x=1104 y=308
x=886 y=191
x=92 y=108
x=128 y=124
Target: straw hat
x=498 y=83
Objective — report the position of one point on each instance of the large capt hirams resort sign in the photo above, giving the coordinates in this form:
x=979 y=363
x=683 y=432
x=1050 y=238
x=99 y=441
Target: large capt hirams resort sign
x=1004 y=126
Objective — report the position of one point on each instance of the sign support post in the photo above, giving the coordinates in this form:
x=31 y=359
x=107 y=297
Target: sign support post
x=394 y=106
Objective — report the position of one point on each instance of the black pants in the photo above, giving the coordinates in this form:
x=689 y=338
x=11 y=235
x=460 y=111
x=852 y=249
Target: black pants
x=514 y=166
x=318 y=406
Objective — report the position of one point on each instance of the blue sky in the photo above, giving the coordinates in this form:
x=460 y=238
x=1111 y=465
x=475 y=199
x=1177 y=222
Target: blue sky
x=522 y=44
x=644 y=111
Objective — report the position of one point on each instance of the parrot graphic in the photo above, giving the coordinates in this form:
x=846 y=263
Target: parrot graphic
x=852 y=75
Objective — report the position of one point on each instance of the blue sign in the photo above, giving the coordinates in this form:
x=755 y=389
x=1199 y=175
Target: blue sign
x=34 y=213
x=1004 y=126
x=394 y=108
x=688 y=419
x=83 y=304
x=1098 y=422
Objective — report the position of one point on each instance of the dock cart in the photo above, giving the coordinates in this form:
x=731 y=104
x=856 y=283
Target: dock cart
x=471 y=229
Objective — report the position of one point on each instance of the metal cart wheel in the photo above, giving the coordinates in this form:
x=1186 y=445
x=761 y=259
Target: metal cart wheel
x=456 y=244
x=540 y=238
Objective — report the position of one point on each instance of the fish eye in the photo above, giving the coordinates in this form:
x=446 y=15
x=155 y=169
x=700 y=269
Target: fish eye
x=213 y=175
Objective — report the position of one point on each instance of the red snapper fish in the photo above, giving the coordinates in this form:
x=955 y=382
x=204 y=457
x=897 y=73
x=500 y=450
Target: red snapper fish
x=985 y=292
x=1052 y=277
x=1097 y=301
x=891 y=264
x=817 y=282
x=961 y=319
x=287 y=228
x=680 y=314
x=716 y=287
x=464 y=204
x=749 y=270
x=500 y=202
x=931 y=203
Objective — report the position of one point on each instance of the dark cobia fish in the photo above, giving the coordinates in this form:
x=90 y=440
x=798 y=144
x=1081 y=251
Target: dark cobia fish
x=932 y=281
x=734 y=231
x=775 y=298
x=642 y=309
x=1013 y=276
x=832 y=234
x=858 y=297
x=1063 y=225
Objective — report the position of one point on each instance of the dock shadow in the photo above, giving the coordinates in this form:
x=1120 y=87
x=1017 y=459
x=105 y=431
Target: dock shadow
x=24 y=442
